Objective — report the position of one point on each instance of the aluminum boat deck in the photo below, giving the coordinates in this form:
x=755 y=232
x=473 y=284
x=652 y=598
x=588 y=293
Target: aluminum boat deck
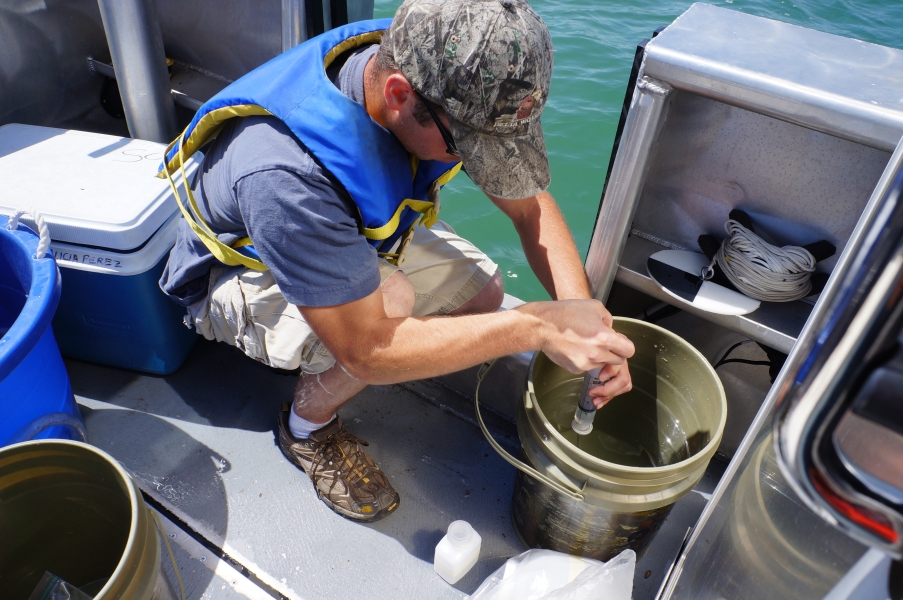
x=244 y=522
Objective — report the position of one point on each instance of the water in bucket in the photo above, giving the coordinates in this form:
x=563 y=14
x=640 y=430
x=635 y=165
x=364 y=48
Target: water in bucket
x=646 y=427
x=634 y=430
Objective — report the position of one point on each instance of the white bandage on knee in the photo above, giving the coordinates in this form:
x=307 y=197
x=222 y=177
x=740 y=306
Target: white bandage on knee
x=301 y=428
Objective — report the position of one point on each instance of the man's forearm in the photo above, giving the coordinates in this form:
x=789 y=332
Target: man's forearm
x=376 y=348
x=552 y=253
x=405 y=349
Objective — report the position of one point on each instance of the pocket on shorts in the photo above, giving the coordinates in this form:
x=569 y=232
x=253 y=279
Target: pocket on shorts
x=248 y=338
x=223 y=317
x=246 y=309
x=284 y=338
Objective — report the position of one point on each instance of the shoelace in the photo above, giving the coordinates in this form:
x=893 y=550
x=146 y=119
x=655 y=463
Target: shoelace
x=331 y=450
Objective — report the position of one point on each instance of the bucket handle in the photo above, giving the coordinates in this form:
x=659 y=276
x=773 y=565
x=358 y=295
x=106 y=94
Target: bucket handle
x=172 y=557
x=43 y=230
x=569 y=491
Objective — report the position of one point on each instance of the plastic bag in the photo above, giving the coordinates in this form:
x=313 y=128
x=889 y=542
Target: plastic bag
x=549 y=575
x=52 y=587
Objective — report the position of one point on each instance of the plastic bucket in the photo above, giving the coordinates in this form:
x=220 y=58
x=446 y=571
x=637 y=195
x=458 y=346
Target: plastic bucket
x=602 y=493
x=70 y=509
x=36 y=400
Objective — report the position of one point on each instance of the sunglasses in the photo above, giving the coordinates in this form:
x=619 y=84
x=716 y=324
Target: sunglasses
x=450 y=145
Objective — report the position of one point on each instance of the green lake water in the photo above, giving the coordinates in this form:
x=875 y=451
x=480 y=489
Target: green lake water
x=594 y=47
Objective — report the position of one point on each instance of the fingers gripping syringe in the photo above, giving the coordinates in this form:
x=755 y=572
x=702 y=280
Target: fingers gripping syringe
x=586 y=410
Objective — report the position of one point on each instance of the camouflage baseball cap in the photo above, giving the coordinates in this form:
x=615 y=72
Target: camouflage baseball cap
x=488 y=63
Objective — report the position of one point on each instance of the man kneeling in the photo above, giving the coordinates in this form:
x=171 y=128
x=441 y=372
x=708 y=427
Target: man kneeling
x=333 y=172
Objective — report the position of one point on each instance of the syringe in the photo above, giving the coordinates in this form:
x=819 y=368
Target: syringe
x=586 y=410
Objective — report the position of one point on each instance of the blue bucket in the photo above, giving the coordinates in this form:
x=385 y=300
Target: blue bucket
x=36 y=399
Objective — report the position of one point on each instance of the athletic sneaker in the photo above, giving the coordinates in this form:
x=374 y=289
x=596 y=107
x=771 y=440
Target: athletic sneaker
x=346 y=479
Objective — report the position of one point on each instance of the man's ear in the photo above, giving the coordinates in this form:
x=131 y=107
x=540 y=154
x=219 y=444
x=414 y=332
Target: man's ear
x=397 y=91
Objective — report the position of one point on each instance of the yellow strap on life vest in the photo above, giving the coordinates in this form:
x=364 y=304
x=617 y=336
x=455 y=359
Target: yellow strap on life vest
x=222 y=252
x=228 y=256
x=447 y=176
x=204 y=130
x=352 y=42
x=424 y=207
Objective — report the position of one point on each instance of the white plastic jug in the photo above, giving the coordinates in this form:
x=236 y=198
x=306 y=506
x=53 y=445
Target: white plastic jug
x=457 y=552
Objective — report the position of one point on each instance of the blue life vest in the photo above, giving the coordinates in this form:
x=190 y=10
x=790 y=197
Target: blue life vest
x=390 y=188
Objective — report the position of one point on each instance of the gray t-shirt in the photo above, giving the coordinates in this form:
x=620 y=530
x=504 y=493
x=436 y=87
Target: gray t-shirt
x=258 y=180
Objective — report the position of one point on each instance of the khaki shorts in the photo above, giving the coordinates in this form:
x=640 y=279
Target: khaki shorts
x=245 y=308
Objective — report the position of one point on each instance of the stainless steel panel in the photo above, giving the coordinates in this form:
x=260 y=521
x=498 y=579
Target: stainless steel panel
x=232 y=37
x=644 y=121
x=872 y=452
x=798 y=185
x=226 y=37
x=136 y=46
x=294 y=23
x=833 y=84
x=851 y=335
x=868 y=579
x=705 y=570
x=44 y=77
x=761 y=541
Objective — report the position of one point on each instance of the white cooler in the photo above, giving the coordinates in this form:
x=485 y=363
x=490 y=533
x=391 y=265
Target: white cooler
x=112 y=224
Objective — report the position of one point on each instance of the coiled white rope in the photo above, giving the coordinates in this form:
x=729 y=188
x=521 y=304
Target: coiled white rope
x=760 y=270
x=43 y=230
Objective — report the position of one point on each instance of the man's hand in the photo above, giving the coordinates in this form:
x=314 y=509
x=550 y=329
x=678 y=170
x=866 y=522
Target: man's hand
x=579 y=337
x=618 y=382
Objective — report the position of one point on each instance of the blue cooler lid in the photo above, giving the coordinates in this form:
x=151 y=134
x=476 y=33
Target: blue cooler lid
x=93 y=189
